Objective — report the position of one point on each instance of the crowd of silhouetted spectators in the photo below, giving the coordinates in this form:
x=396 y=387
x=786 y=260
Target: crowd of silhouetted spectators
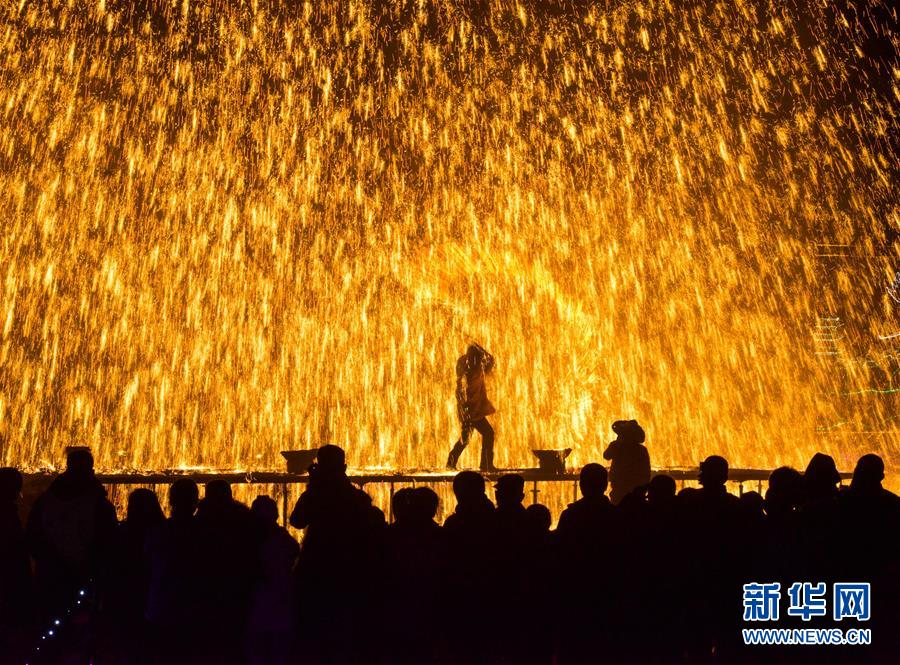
x=654 y=577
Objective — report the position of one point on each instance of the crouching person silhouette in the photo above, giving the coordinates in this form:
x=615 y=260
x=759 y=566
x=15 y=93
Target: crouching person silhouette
x=630 y=466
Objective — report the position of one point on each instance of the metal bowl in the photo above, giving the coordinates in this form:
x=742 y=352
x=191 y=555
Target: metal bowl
x=552 y=461
x=298 y=461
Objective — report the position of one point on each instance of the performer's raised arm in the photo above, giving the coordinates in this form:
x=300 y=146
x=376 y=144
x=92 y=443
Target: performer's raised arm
x=473 y=405
x=487 y=361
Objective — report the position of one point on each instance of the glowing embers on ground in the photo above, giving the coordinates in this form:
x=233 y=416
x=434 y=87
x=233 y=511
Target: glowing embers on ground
x=235 y=229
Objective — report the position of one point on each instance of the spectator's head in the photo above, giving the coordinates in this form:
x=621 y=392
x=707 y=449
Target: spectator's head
x=785 y=491
x=593 y=480
x=184 y=495
x=821 y=478
x=79 y=462
x=628 y=431
x=143 y=508
x=751 y=503
x=468 y=487
x=331 y=461
x=635 y=499
x=425 y=502
x=509 y=490
x=218 y=492
x=10 y=484
x=265 y=510
x=402 y=505
x=713 y=472
x=539 y=517
x=661 y=490
x=868 y=474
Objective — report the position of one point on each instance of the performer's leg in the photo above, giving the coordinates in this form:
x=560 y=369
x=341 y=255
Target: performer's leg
x=459 y=446
x=487 y=444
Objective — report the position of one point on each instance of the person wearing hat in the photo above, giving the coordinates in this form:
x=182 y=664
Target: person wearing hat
x=473 y=406
x=630 y=461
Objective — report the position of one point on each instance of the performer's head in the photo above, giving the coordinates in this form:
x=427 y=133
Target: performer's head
x=474 y=355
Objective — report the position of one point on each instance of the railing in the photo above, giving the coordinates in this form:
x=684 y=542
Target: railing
x=534 y=477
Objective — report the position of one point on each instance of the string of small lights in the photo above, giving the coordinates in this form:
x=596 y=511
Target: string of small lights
x=67 y=621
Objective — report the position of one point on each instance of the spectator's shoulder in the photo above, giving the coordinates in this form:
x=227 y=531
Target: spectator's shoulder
x=361 y=496
x=570 y=512
x=376 y=515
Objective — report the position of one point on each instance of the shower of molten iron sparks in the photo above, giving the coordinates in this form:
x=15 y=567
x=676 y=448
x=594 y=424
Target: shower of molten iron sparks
x=232 y=228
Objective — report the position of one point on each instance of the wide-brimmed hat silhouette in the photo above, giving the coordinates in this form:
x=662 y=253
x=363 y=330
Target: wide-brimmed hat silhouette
x=629 y=431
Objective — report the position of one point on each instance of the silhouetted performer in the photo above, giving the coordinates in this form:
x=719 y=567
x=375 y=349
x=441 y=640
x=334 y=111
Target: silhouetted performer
x=630 y=461
x=272 y=617
x=15 y=572
x=473 y=406
x=339 y=559
x=70 y=529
